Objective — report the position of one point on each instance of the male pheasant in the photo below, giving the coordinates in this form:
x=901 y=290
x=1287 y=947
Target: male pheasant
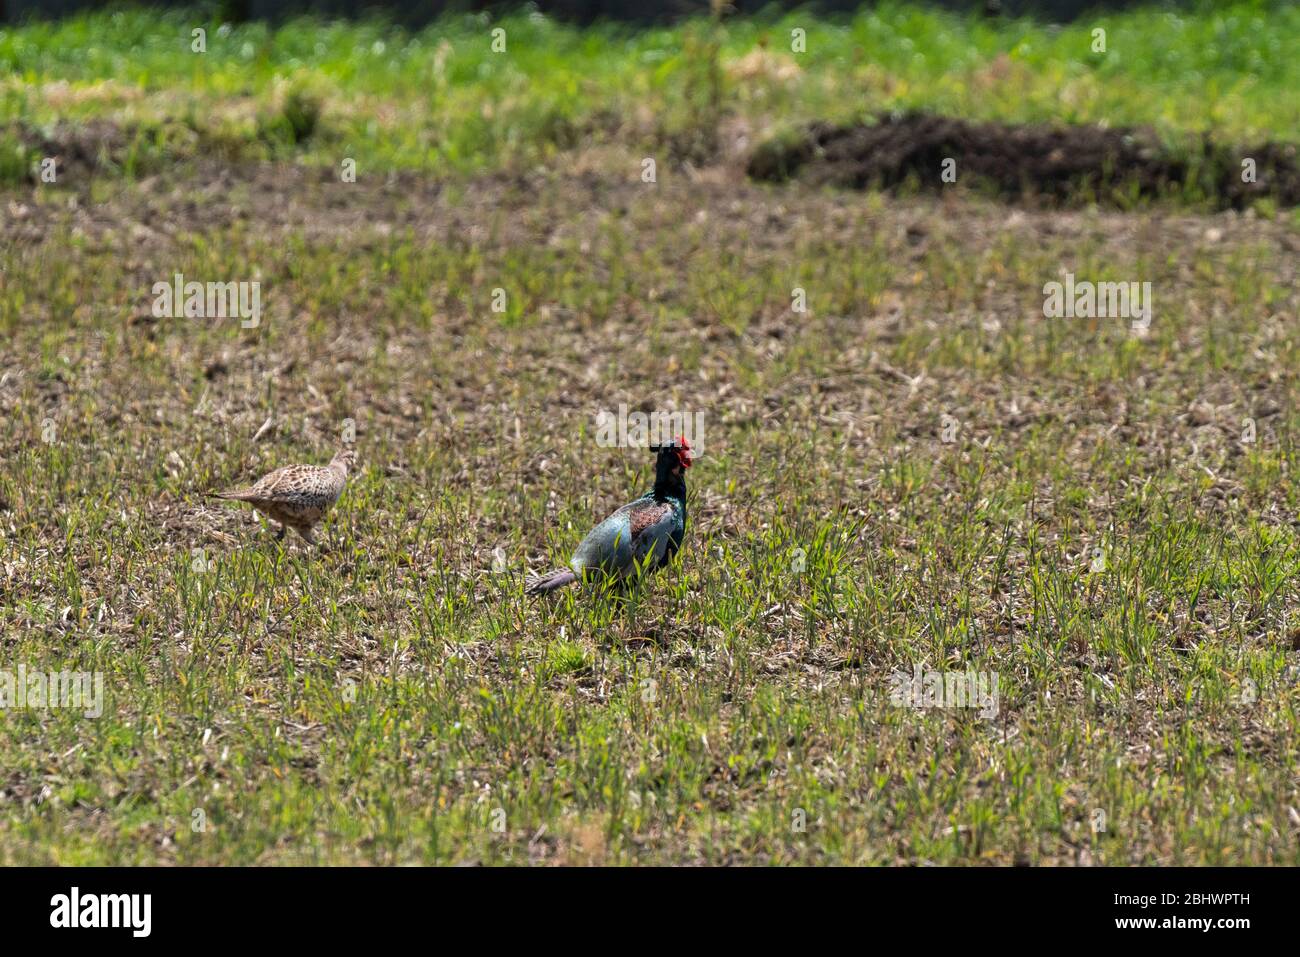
x=645 y=533
x=297 y=496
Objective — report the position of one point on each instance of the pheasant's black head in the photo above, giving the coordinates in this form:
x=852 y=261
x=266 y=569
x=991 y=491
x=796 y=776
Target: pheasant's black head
x=674 y=458
x=675 y=453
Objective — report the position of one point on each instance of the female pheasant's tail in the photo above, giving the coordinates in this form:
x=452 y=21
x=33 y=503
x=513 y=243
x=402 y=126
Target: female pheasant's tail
x=541 y=584
x=236 y=495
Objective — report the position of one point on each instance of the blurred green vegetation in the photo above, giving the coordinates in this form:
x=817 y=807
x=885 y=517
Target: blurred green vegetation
x=442 y=99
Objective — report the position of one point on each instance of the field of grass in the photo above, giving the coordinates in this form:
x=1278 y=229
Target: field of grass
x=919 y=469
x=441 y=99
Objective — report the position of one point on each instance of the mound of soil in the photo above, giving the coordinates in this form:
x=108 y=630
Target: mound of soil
x=77 y=150
x=1067 y=165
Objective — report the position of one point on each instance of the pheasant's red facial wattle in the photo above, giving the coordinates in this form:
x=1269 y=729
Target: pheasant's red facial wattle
x=684 y=454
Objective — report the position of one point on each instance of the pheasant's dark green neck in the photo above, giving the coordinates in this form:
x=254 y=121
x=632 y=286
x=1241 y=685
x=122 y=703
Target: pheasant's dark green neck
x=669 y=480
x=663 y=491
x=670 y=486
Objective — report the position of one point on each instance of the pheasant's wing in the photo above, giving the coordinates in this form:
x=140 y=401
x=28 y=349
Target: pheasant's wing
x=637 y=530
x=263 y=490
x=607 y=547
x=652 y=527
x=272 y=482
x=307 y=484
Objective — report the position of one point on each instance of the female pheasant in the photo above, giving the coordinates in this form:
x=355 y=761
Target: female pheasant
x=297 y=496
x=644 y=533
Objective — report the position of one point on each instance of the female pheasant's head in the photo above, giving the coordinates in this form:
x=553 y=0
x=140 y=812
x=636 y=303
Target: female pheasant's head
x=346 y=459
x=674 y=458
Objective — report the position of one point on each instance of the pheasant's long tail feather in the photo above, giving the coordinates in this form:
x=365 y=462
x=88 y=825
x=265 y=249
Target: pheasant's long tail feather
x=541 y=584
x=238 y=495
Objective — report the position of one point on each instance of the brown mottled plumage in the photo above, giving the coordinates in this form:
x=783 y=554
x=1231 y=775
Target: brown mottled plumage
x=297 y=496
